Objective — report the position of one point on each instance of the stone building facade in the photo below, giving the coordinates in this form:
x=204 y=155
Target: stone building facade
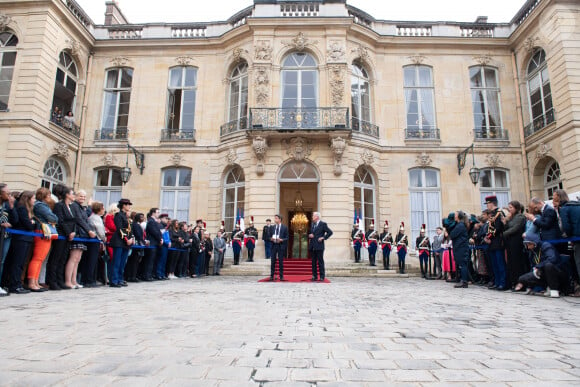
x=314 y=102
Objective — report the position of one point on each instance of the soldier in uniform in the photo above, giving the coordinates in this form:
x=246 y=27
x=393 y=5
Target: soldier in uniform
x=386 y=245
x=237 y=241
x=423 y=245
x=402 y=242
x=371 y=237
x=224 y=236
x=356 y=236
x=250 y=236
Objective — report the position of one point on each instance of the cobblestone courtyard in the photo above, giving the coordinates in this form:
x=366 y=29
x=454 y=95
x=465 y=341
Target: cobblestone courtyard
x=233 y=331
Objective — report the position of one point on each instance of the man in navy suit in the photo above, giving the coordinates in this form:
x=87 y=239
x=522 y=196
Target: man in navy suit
x=279 y=240
x=318 y=234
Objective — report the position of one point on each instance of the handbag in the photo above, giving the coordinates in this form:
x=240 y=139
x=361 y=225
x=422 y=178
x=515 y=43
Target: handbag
x=48 y=230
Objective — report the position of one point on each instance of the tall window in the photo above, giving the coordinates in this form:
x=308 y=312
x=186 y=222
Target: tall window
x=419 y=98
x=108 y=186
x=53 y=173
x=485 y=100
x=238 y=111
x=364 y=195
x=116 y=106
x=494 y=182
x=553 y=179
x=65 y=87
x=181 y=103
x=539 y=91
x=360 y=95
x=299 y=81
x=175 y=189
x=8 y=42
x=234 y=196
x=425 y=194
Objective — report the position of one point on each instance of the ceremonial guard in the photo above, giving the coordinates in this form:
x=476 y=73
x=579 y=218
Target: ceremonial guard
x=237 y=243
x=494 y=240
x=250 y=236
x=402 y=242
x=386 y=245
x=423 y=245
x=371 y=237
x=357 y=237
x=224 y=236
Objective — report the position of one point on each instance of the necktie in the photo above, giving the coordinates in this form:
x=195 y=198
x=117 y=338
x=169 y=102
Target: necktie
x=278 y=231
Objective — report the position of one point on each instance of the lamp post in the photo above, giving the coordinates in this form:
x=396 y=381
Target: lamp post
x=473 y=171
x=139 y=162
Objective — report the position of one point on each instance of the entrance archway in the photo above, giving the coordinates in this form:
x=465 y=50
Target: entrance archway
x=298 y=192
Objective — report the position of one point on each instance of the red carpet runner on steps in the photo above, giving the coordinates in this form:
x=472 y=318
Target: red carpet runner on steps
x=295 y=270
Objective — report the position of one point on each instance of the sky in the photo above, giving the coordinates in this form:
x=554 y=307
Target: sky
x=171 y=11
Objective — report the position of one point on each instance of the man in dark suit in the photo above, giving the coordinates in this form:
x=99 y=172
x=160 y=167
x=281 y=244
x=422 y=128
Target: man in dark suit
x=318 y=234
x=279 y=240
x=547 y=222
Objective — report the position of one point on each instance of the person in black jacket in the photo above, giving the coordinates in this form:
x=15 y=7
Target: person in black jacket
x=208 y=250
x=136 y=254
x=121 y=242
x=569 y=211
x=266 y=235
x=82 y=230
x=547 y=222
x=66 y=227
x=494 y=239
x=149 y=268
x=8 y=218
x=515 y=226
x=458 y=234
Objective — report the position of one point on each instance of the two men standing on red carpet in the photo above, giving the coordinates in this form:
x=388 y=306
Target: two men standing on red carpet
x=318 y=234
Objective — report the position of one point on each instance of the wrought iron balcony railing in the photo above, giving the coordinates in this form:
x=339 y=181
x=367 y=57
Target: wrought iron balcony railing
x=68 y=126
x=540 y=122
x=185 y=135
x=234 y=126
x=120 y=134
x=364 y=127
x=422 y=134
x=320 y=118
x=490 y=134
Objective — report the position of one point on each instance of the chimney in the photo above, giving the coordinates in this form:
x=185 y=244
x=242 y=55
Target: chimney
x=113 y=14
x=481 y=20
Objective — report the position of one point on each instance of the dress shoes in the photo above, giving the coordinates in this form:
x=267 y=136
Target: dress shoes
x=64 y=287
x=115 y=285
x=501 y=288
x=282 y=279
x=271 y=278
x=20 y=291
x=492 y=287
x=39 y=290
x=322 y=279
x=91 y=285
x=124 y=283
x=54 y=287
x=461 y=285
x=313 y=279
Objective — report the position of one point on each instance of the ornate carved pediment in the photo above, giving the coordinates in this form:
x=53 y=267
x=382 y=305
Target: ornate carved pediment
x=337 y=145
x=176 y=159
x=417 y=59
x=300 y=42
x=260 y=146
x=120 y=61
x=543 y=150
x=109 y=160
x=335 y=52
x=5 y=20
x=336 y=77
x=424 y=160
x=493 y=160
x=262 y=86
x=263 y=51
x=231 y=156
x=61 y=150
x=483 y=60
x=184 y=60
x=367 y=157
x=298 y=148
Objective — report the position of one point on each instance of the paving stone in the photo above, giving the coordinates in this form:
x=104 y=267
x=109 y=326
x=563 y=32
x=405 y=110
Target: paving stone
x=406 y=364
x=373 y=364
x=270 y=374
x=552 y=375
x=409 y=376
x=446 y=375
x=358 y=375
x=313 y=375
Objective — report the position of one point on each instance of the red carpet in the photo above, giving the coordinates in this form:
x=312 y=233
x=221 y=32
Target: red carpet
x=295 y=270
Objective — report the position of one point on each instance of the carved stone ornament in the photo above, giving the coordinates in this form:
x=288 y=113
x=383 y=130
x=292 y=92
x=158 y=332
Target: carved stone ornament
x=338 y=145
x=184 y=60
x=335 y=52
x=493 y=160
x=260 y=146
x=530 y=43
x=74 y=47
x=263 y=51
x=238 y=53
x=119 y=61
x=424 y=160
x=483 y=60
x=336 y=77
x=176 y=159
x=417 y=59
x=5 y=20
x=298 y=148
x=232 y=156
x=262 y=86
x=367 y=157
x=61 y=150
x=543 y=150
x=300 y=42
x=362 y=53
x=109 y=160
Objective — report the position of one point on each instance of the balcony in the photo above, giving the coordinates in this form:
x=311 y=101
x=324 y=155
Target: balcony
x=364 y=127
x=176 y=135
x=111 y=134
x=491 y=134
x=234 y=126
x=303 y=119
x=540 y=122
x=422 y=134
x=67 y=126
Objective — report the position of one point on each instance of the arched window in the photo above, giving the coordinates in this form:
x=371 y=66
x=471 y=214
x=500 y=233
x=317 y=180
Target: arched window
x=65 y=89
x=8 y=42
x=53 y=173
x=118 y=83
x=238 y=101
x=360 y=96
x=494 y=182
x=234 y=196
x=175 y=190
x=485 y=101
x=552 y=179
x=108 y=186
x=299 y=81
x=181 y=101
x=298 y=171
x=419 y=102
x=425 y=195
x=539 y=93
x=364 y=195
